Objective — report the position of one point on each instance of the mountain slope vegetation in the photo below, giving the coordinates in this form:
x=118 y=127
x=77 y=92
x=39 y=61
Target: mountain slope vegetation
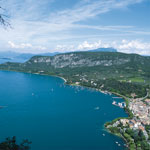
x=126 y=74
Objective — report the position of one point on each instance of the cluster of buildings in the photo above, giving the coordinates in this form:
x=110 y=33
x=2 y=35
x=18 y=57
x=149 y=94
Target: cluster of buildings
x=141 y=110
x=133 y=124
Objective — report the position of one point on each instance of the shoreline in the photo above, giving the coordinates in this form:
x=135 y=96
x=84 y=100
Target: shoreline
x=99 y=90
x=65 y=81
x=103 y=92
x=125 y=109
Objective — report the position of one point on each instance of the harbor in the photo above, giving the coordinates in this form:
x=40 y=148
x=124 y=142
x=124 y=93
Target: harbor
x=119 y=104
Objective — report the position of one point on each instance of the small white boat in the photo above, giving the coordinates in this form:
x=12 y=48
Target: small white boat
x=96 y=108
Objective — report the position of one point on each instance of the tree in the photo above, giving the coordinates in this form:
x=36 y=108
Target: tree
x=10 y=144
x=4 y=18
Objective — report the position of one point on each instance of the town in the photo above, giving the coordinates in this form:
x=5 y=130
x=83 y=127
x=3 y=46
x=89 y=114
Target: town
x=136 y=128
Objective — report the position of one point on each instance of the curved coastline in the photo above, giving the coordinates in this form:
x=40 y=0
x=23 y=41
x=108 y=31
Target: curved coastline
x=117 y=94
x=65 y=82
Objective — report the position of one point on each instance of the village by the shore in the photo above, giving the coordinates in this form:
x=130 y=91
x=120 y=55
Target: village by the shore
x=139 y=122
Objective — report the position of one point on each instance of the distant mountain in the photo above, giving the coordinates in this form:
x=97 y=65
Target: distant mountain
x=24 y=56
x=20 y=57
x=29 y=55
x=49 y=54
x=8 y=54
x=103 y=50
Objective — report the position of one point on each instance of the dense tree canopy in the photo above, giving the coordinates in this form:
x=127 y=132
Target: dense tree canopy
x=11 y=144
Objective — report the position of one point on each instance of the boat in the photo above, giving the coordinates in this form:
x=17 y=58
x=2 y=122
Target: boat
x=96 y=108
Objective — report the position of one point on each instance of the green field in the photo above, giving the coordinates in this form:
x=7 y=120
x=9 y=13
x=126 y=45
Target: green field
x=137 y=79
x=134 y=80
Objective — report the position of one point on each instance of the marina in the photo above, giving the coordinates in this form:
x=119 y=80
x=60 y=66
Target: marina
x=119 y=104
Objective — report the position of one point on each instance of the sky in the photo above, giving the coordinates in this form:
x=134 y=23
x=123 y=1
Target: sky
x=39 y=26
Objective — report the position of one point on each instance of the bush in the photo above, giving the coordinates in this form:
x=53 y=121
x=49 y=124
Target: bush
x=10 y=144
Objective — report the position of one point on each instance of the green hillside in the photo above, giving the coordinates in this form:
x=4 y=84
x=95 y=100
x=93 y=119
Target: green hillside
x=112 y=71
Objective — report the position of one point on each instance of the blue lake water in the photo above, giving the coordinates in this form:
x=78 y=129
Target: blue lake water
x=55 y=116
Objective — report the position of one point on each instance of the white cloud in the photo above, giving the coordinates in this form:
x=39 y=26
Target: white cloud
x=13 y=45
x=134 y=46
x=80 y=47
x=34 y=23
x=125 y=46
x=25 y=46
x=87 y=46
x=64 y=48
x=89 y=9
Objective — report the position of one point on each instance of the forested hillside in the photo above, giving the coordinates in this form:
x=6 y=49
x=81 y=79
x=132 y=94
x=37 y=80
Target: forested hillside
x=127 y=74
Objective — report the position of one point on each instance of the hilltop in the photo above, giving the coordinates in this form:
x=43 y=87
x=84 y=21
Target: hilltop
x=103 y=50
x=22 y=57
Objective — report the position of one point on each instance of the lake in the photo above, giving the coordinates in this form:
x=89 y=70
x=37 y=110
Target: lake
x=55 y=116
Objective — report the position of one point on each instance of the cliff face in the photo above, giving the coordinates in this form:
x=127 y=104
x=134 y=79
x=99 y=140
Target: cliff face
x=103 y=60
x=73 y=60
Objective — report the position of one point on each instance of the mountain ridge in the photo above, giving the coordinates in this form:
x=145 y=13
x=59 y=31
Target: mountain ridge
x=22 y=57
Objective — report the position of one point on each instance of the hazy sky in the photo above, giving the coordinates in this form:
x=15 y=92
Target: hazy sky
x=68 y=25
